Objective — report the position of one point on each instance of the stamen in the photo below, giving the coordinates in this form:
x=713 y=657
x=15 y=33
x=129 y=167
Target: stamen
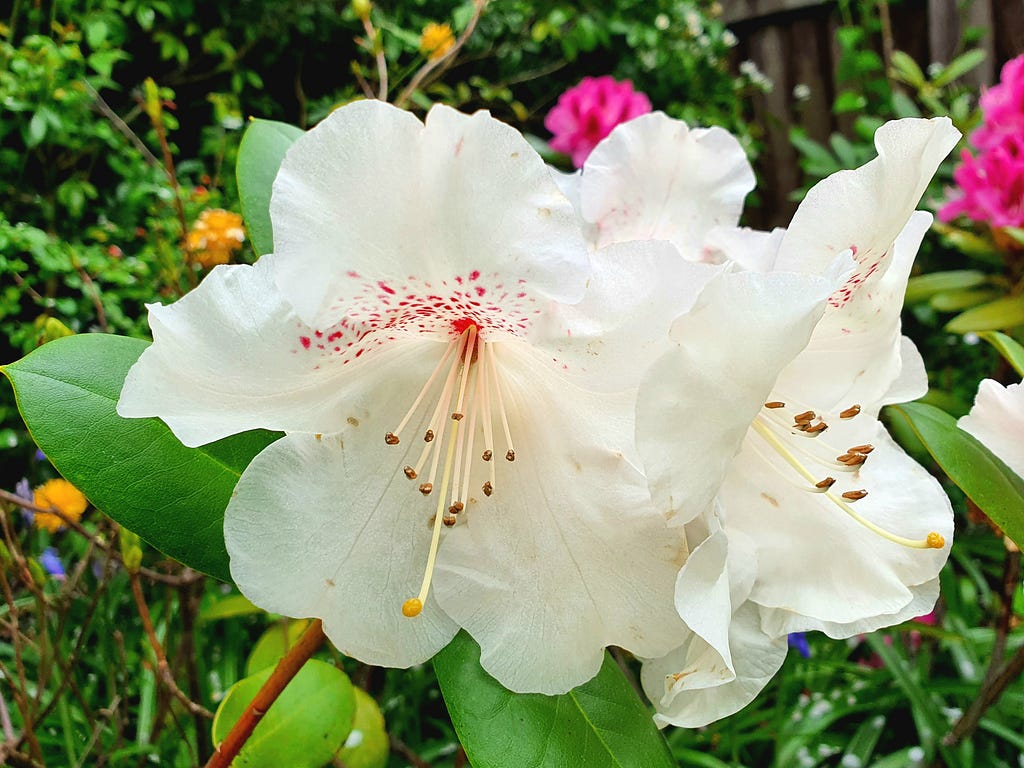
x=850 y=412
x=775 y=404
x=391 y=438
x=428 y=436
x=459 y=414
x=410 y=473
x=485 y=380
x=865 y=449
x=426 y=488
x=474 y=409
x=511 y=453
x=932 y=541
x=825 y=484
x=852 y=459
x=488 y=488
x=805 y=418
x=413 y=606
x=419 y=398
x=486 y=455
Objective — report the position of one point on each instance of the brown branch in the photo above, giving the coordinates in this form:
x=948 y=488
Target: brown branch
x=97 y=300
x=399 y=746
x=163 y=669
x=123 y=128
x=377 y=49
x=443 y=62
x=285 y=670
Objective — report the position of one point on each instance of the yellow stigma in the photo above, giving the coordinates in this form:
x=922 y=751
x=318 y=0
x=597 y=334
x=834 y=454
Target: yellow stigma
x=412 y=607
x=936 y=540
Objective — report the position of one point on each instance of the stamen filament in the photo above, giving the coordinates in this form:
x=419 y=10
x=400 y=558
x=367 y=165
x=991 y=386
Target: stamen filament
x=932 y=541
x=485 y=379
x=474 y=409
x=459 y=413
x=511 y=453
x=426 y=387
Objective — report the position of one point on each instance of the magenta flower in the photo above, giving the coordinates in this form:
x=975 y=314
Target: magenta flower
x=588 y=112
x=991 y=185
x=1003 y=107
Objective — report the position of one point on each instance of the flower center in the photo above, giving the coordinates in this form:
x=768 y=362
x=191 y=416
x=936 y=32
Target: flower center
x=796 y=438
x=470 y=391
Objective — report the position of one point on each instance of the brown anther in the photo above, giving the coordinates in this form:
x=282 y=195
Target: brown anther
x=775 y=404
x=817 y=429
x=428 y=436
x=850 y=412
x=319 y=436
x=486 y=455
x=865 y=449
x=410 y=473
x=825 y=484
x=851 y=459
x=510 y=455
x=457 y=507
x=805 y=417
x=854 y=495
x=488 y=488
x=458 y=416
x=391 y=438
x=449 y=520
x=426 y=488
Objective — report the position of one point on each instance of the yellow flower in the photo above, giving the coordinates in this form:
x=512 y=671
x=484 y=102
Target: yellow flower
x=437 y=40
x=61 y=495
x=215 y=236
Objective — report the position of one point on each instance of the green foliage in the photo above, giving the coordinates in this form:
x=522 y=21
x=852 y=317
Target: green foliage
x=303 y=728
x=263 y=148
x=600 y=724
x=135 y=470
x=995 y=488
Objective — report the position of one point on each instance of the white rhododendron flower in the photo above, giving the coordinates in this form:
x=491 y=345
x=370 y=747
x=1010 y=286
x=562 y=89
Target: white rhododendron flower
x=456 y=375
x=997 y=420
x=825 y=523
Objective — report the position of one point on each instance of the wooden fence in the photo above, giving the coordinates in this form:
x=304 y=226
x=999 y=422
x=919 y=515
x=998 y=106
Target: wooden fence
x=793 y=42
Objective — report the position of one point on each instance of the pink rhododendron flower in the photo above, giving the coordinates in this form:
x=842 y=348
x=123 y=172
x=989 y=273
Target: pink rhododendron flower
x=991 y=185
x=1003 y=107
x=588 y=112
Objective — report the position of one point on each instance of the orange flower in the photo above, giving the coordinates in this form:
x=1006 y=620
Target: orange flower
x=215 y=236
x=436 y=41
x=61 y=495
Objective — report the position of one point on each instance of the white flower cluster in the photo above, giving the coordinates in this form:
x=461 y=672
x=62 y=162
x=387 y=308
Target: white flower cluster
x=566 y=412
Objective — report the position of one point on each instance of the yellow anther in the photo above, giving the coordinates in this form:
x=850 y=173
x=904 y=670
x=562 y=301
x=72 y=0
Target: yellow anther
x=412 y=607
x=936 y=540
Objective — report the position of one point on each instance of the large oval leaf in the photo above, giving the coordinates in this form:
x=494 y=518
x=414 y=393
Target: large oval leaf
x=1011 y=351
x=990 y=484
x=134 y=470
x=303 y=728
x=601 y=724
x=1007 y=312
x=259 y=156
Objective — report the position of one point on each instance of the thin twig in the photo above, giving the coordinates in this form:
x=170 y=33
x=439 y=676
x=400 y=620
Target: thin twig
x=97 y=300
x=377 y=48
x=123 y=128
x=78 y=528
x=443 y=62
x=283 y=673
x=399 y=746
x=108 y=712
x=163 y=669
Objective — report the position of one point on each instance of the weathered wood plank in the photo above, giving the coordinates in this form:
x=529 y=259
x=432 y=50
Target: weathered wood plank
x=745 y=10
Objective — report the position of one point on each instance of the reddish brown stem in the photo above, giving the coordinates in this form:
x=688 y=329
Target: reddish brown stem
x=285 y=670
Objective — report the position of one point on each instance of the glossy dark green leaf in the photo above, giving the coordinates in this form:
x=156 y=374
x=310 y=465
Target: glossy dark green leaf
x=600 y=724
x=134 y=470
x=995 y=488
x=263 y=148
x=1011 y=351
x=303 y=728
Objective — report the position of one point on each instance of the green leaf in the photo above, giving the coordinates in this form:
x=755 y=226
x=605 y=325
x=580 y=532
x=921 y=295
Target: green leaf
x=274 y=644
x=263 y=148
x=134 y=470
x=955 y=301
x=228 y=607
x=1008 y=348
x=303 y=728
x=959 y=67
x=1007 y=312
x=601 y=724
x=907 y=69
x=925 y=286
x=993 y=486
x=367 y=745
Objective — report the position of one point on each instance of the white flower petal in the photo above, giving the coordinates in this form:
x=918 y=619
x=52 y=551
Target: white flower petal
x=568 y=555
x=232 y=356
x=373 y=198
x=866 y=208
x=329 y=528
x=856 y=352
x=609 y=338
x=779 y=622
x=749 y=248
x=757 y=658
x=653 y=178
x=813 y=558
x=743 y=329
x=997 y=420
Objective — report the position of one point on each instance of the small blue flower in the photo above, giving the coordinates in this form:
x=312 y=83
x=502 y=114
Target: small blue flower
x=798 y=640
x=51 y=563
x=23 y=489
x=40 y=456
